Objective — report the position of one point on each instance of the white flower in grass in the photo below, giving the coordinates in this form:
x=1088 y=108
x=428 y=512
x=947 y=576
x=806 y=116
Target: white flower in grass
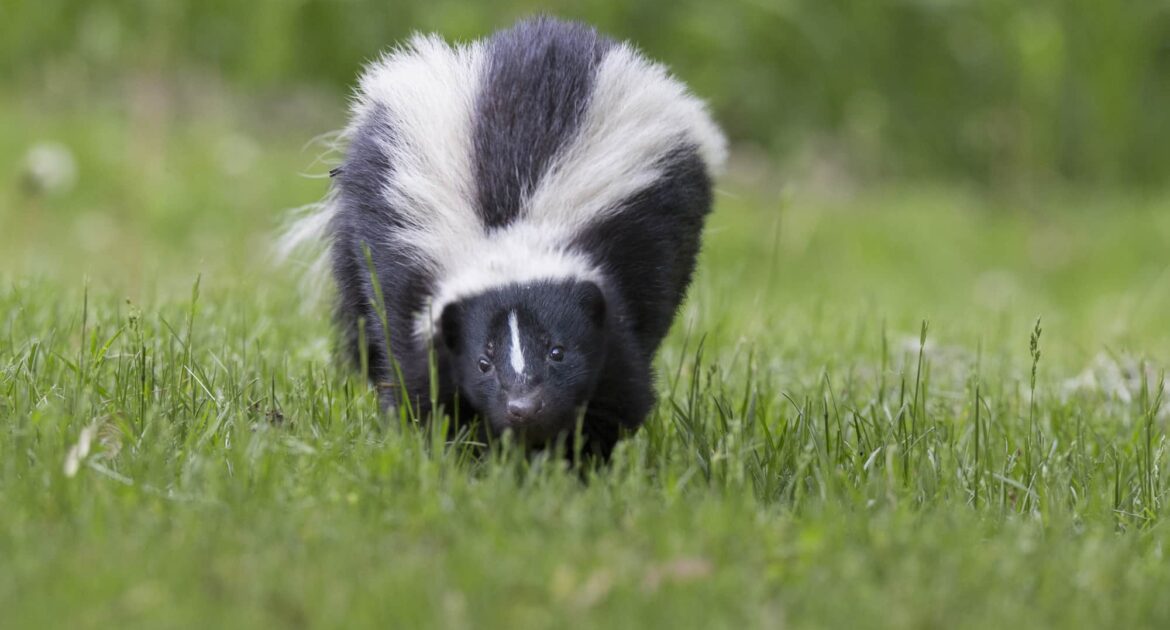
x=49 y=167
x=79 y=451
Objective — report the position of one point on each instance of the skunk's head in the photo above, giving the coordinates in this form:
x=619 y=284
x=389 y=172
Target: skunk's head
x=528 y=357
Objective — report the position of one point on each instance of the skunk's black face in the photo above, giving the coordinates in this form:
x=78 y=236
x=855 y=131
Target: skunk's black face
x=527 y=358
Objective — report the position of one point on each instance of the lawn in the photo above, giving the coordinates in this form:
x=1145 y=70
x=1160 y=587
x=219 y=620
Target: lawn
x=902 y=406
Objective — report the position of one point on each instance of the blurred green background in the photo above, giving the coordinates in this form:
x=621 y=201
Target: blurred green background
x=995 y=93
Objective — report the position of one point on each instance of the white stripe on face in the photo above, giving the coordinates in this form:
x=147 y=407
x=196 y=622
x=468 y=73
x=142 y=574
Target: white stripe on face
x=517 y=354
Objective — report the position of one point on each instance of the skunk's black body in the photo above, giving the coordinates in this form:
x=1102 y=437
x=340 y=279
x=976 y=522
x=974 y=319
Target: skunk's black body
x=533 y=204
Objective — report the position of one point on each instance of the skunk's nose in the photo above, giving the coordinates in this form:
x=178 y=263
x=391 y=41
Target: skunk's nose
x=525 y=408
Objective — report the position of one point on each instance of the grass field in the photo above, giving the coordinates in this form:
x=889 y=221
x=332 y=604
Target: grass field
x=861 y=423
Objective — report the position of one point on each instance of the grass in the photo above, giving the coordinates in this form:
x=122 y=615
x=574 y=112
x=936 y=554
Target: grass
x=863 y=422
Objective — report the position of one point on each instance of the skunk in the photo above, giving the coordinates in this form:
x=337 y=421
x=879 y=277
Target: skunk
x=530 y=208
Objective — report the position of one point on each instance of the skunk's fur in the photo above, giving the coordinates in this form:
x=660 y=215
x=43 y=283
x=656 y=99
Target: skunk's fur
x=531 y=206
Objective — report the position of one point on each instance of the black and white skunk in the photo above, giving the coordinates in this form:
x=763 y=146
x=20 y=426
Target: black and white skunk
x=532 y=206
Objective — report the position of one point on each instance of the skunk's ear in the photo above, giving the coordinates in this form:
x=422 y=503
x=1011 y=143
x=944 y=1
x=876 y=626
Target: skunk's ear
x=592 y=301
x=450 y=326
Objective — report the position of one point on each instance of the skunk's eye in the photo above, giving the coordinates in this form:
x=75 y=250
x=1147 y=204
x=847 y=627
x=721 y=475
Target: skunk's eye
x=556 y=353
x=485 y=366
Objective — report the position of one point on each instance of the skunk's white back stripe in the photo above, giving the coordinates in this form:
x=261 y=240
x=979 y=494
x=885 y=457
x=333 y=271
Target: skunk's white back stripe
x=516 y=354
x=427 y=90
x=637 y=114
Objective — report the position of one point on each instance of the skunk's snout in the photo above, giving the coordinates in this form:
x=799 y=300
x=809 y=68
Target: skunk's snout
x=524 y=408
